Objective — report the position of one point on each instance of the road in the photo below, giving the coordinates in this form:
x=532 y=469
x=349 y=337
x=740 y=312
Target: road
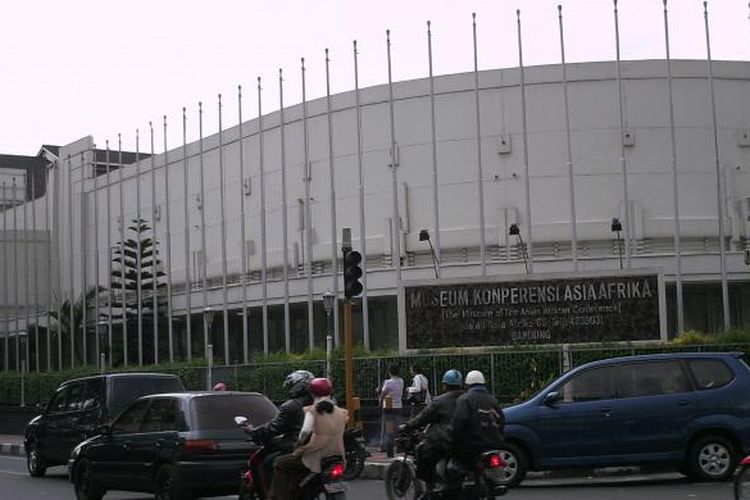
x=15 y=484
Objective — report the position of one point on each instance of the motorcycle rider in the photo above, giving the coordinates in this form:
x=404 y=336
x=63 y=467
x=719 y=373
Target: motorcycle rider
x=438 y=415
x=322 y=435
x=478 y=421
x=279 y=435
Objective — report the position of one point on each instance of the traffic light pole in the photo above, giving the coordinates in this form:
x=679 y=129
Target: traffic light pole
x=352 y=288
x=349 y=360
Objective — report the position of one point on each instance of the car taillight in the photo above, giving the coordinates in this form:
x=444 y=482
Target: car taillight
x=201 y=446
x=337 y=472
x=494 y=461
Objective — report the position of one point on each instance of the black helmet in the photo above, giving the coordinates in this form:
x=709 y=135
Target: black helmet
x=298 y=382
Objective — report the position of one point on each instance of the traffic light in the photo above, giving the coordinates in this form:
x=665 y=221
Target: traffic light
x=352 y=274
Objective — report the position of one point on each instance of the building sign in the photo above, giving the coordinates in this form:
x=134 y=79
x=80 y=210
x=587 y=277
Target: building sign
x=621 y=307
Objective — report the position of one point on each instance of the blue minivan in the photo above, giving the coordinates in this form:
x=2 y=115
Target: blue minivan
x=690 y=410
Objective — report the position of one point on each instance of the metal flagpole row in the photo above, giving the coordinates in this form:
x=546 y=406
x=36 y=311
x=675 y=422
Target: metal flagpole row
x=527 y=173
x=264 y=253
x=717 y=159
x=204 y=253
x=568 y=148
x=675 y=190
x=623 y=159
x=362 y=231
x=170 y=326
x=480 y=174
x=284 y=222
x=396 y=219
x=243 y=237
x=307 y=169
x=222 y=201
x=433 y=140
x=123 y=290
x=332 y=187
x=188 y=277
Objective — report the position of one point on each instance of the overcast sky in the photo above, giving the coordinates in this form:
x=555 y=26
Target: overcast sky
x=72 y=68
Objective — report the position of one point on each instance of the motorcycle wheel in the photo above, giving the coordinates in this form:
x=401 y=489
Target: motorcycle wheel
x=400 y=481
x=355 y=461
x=742 y=484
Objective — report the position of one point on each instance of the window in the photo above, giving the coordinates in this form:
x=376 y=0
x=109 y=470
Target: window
x=218 y=412
x=651 y=379
x=126 y=389
x=710 y=373
x=75 y=396
x=58 y=401
x=590 y=385
x=92 y=396
x=130 y=420
x=161 y=416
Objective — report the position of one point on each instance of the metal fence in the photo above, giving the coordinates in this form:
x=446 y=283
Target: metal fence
x=513 y=375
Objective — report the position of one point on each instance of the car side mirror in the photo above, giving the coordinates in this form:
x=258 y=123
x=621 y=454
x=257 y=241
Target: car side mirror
x=241 y=421
x=551 y=399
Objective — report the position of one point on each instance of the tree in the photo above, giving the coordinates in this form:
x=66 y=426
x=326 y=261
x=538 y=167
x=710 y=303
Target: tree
x=64 y=325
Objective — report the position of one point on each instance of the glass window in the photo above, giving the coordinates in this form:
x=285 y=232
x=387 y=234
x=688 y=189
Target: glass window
x=130 y=420
x=129 y=388
x=710 y=373
x=75 y=396
x=58 y=401
x=92 y=396
x=218 y=412
x=161 y=416
x=651 y=379
x=590 y=385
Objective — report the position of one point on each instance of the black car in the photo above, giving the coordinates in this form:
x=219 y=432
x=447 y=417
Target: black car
x=174 y=445
x=79 y=408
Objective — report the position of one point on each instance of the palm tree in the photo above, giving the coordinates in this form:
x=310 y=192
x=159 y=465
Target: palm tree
x=63 y=326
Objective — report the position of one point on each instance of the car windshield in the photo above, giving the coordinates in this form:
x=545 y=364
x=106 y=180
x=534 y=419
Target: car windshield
x=128 y=389
x=218 y=412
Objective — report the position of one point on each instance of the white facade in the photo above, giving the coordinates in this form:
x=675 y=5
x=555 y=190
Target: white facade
x=598 y=183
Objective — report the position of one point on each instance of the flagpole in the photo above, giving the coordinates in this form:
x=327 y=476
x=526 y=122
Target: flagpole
x=480 y=175
x=243 y=237
x=170 y=329
x=308 y=215
x=138 y=263
x=123 y=306
x=675 y=190
x=623 y=160
x=396 y=220
x=16 y=279
x=97 y=340
x=36 y=272
x=717 y=160
x=155 y=251
x=362 y=228
x=223 y=239
x=49 y=269
x=285 y=235
x=71 y=232
x=26 y=266
x=188 y=277
x=83 y=239
x=6 y=291
x=332 y=182
x=109 y=256
x=433 y=136
x=527 y=173
x=263 y=250
x=568 y=147
x=204 y=254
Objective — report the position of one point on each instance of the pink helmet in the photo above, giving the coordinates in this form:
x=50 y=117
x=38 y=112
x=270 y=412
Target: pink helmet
x=320 y=387
x=221 y=386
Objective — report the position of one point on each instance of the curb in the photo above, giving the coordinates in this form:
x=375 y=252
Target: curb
x=11 y=449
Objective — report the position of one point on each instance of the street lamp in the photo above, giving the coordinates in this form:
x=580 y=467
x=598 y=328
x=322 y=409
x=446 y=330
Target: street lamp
x=328 y=300
x=515 y=231
x=101 y=329
x=424 y=235
x=616 y=227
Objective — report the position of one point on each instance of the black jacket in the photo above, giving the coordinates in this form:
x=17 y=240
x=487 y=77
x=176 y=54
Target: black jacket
x=438 y=414
x=285 y=427
x=478 y=422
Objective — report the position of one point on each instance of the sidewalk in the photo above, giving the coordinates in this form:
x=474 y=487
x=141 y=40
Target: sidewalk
x=11 y=444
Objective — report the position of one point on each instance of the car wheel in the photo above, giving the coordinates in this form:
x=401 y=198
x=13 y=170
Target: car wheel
x=35 y=464
x=515 y=464
x=85 y=487
x=712 y=458
x=167 y=485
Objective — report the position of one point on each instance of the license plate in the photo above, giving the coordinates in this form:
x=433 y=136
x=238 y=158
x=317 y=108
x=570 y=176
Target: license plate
x=335 y=487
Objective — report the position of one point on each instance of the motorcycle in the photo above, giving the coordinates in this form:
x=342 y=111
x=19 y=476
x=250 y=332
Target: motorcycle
x=356 y=454
x=742 y=480
x=255 y=485
x=482 y=482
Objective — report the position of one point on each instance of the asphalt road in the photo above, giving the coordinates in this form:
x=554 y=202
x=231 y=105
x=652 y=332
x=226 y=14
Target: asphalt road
x=15 y=484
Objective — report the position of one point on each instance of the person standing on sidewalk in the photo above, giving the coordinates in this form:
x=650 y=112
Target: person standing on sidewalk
x=389 y=396
x=419 y=391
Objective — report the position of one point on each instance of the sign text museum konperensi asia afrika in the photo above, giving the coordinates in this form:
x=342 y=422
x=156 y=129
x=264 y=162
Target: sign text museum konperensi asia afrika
x=580 y=309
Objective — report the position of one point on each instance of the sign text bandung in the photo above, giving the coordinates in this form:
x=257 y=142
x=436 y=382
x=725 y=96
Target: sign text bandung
x=592 y=309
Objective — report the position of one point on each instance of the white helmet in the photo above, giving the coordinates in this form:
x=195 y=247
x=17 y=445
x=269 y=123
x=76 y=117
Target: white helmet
x=474 y=377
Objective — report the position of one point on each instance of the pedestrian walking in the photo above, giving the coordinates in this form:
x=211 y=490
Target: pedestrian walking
x=390 y=397
x=419 y=391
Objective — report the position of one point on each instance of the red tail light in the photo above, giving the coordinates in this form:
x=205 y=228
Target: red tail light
x=337 y=472
x=197 y=446
x=495 y=462
x=248 y=478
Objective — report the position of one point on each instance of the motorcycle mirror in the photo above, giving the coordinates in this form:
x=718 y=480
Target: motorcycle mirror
x=240 y=421
x=551 y=398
